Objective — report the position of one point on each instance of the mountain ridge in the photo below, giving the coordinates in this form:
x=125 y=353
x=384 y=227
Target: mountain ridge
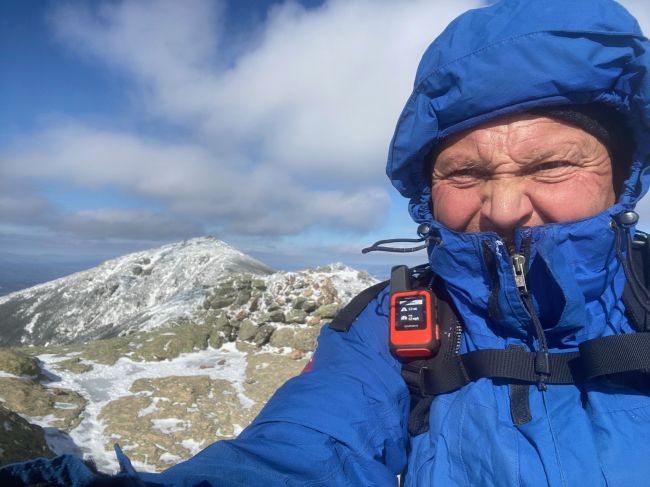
x=150 y=286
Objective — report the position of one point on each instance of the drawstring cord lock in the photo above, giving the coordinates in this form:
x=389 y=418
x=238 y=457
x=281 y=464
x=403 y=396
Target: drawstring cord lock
x=627 y=218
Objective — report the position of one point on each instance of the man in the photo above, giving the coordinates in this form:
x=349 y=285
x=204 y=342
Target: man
x=523 y=149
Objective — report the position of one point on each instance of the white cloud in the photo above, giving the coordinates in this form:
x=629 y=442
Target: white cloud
x=106 y=224
x=289 y=135
x=318 y=96
x=191 y=182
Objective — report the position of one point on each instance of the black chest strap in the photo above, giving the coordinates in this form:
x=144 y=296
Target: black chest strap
x=600 y=357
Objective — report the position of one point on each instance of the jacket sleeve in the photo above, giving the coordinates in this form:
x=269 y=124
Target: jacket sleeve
x=344 y=422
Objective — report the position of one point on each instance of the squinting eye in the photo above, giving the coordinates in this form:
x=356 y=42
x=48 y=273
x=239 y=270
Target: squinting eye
x=468 y=173
x=549 y=166
x=462 y=173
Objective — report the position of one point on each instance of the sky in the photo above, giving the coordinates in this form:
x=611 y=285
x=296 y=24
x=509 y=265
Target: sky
x=128 y=124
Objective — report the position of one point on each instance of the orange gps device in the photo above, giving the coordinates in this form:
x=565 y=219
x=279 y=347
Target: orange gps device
x=414 y=332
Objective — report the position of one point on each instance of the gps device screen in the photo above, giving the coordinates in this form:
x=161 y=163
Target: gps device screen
x=410 y=313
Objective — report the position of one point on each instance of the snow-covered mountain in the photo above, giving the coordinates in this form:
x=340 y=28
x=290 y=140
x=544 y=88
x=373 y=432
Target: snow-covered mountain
x=137 y=291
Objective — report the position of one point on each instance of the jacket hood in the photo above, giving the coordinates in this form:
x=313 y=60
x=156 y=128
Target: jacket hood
x=517 y=55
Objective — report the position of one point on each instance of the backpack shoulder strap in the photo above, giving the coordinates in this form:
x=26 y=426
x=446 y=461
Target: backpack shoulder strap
x=640 y=258
x=343 y=320
x=451 y=329
x=346 y=316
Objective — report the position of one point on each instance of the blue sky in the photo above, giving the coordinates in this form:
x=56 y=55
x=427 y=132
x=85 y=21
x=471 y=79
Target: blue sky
x=127 y=124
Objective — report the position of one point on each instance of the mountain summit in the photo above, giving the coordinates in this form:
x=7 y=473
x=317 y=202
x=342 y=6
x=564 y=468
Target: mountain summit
x=138 y=291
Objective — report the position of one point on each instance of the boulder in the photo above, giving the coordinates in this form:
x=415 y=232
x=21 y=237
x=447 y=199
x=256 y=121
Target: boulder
x=219 y=302
x=263 y=334
x=305 y=339
x=18 y=363
x=216 y=340
x=223 y=327
x=276 y=316
x=74 y=365
x=242 y=298
x=243 y=283
x=241 y=315
x=328 y=310
x=20 y=440
x=258 y=284
x=248 y=330
x=267 y=372
x=282 y=337
x=162 y=413
x=313 y=320
x=296 y=316
x=30 y=398
x=171 y=342
x=309 y=306
x=328 y=293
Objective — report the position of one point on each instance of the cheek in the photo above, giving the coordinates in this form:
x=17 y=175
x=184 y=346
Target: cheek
x=455 y=208
x=578 y=198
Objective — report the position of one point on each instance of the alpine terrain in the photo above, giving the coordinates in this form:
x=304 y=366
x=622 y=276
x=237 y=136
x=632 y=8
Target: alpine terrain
x=163 y=351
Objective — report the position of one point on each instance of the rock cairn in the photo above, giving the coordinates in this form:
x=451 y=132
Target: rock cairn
x=285 y=310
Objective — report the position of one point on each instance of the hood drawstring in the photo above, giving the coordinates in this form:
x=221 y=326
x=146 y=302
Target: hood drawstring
x=423 y=231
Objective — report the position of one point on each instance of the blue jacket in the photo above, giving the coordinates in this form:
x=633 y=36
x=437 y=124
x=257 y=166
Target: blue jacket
x=345 y=421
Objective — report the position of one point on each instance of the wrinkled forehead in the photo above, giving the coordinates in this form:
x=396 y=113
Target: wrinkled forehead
x=518 y=143
x=526 y=133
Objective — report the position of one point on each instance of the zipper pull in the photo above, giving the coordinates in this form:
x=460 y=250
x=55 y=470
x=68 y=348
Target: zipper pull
x=518 y=263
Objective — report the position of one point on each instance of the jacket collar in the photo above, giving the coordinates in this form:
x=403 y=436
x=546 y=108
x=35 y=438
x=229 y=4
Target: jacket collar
x=573 y=275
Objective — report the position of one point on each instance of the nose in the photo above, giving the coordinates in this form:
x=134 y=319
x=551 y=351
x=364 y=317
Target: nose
x=506 y=206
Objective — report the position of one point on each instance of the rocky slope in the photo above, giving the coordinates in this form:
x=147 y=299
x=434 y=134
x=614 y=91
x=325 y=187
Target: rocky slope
x=176 y=372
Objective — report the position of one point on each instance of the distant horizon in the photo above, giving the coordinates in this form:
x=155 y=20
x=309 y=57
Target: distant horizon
x=22 y=272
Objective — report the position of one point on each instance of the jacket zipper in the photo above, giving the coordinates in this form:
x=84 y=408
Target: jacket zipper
x=518 y=262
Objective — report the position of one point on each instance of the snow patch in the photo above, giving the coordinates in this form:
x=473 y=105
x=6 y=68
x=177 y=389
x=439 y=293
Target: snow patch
x=150 y=408
x=191 y=445
x=7 y=375
x=170 y=425
x=105 y=383
x=65 y=405
x=29 y=328
x=169 y=458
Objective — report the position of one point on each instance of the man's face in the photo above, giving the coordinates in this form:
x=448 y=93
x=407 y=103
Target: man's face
x=522 y=170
